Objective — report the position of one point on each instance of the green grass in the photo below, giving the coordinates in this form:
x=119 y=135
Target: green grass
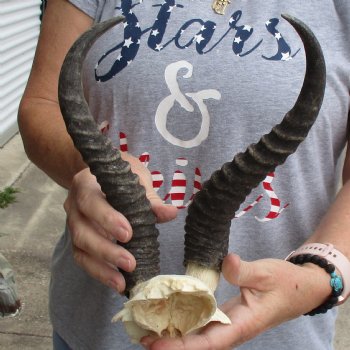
x=7 y=196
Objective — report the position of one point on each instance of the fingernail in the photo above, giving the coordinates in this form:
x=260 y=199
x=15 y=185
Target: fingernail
x=124 y=234
x=124 y=263
x=114 y=285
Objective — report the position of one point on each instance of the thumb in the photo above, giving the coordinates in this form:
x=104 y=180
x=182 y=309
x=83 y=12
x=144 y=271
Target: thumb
x=239 y=272
x=164 y=212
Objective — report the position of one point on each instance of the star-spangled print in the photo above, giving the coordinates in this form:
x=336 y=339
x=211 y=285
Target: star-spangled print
x=159 y=36
x=284 y=50
x=129 y=47
x=243 y=33
x=201 y=38
x=159 y=26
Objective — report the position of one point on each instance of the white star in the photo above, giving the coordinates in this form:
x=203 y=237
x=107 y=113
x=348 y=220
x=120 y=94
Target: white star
x=237 y=40
x=119 y=57
x=198 y=38
x=286 y=56
x=155 y=32
x=267 y=23
x=203 y=28
x=130 y=12
x=129 y=62
x=137 y=25
x=128 y=42
x=138 y=41
x=125 y=24
x=278 y=36
x=159 y=47
x=247 y=28
x=171 y=8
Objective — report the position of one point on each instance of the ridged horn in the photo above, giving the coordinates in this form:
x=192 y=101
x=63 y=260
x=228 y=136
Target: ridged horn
x=122 y=188
x=209 y=216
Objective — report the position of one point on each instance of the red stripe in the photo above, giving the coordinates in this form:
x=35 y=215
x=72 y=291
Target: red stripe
x=144 y=158
x=157 y=184
x=267 y=186
x=177 y=196
x=272 y=215
x=197 y=185
x=275 y=201
x=123 y=148
x=177 y=183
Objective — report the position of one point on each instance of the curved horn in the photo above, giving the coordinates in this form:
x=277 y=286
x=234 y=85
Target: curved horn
x=209 y=216
x=120 y=185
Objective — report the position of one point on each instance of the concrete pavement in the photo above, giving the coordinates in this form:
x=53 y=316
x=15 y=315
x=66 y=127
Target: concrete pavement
x=29 y=229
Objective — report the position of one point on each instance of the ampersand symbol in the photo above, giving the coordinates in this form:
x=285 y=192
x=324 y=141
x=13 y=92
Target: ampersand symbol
x=176 y=95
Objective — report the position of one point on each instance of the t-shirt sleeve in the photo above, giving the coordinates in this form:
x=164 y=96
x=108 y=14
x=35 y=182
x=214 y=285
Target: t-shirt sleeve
x=90 y=7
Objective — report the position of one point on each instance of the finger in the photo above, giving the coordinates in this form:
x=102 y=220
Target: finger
x=246 y=274
x=99 y=270
x=231 y=268
x=213 y=336
x=163 y=212
x=93 y=205
x=88 y=240
x=189 y=342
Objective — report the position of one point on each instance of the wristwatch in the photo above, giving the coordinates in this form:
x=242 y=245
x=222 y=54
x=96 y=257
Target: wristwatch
x=332 y=255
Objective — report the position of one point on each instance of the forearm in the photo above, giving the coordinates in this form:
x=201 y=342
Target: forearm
x=41 y=124
x=46 y=140
x=335 y=226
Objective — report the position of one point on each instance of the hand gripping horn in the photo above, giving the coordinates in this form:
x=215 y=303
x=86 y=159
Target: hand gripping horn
x=209 y=216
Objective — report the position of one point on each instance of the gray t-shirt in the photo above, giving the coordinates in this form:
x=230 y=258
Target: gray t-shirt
x=186 y=89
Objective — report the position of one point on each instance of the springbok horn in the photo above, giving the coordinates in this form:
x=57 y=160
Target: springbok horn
x=210 y=214
x=121 y=187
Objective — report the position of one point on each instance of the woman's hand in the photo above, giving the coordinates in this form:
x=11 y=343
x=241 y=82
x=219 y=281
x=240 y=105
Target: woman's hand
x=272 y=291
x=94 y=226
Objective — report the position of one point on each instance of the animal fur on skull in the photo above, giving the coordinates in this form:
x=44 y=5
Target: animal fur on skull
x=176 y=305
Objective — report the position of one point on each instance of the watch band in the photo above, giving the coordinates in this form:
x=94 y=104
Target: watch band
x=332 y=255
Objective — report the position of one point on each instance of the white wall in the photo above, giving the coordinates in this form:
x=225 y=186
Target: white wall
x=19 y=30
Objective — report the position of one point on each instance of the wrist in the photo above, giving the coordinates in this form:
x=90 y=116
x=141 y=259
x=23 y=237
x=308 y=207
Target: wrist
x=333 y=256
x=320 y=287
x=326 y=257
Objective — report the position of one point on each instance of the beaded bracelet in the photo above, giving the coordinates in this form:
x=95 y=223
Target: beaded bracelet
x=336 y=280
